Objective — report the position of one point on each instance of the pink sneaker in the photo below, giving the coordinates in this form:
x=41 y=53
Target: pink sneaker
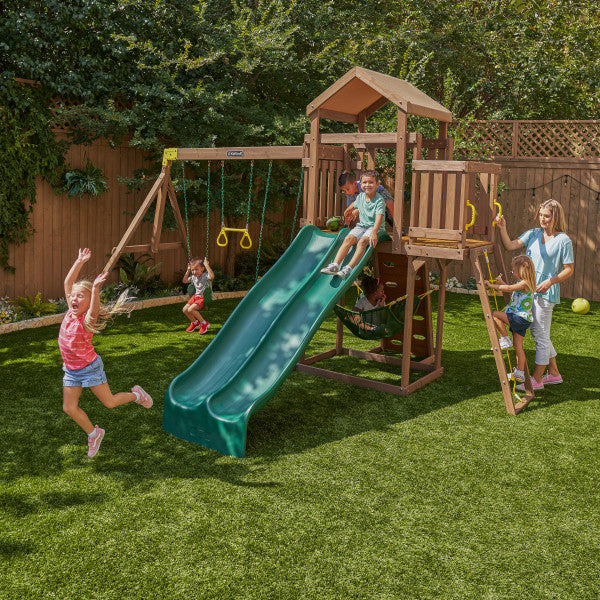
x=536 y=386
x=193 y=326
x=549 y=379
x=204 y=327
x=145 y=399
x=95 y=440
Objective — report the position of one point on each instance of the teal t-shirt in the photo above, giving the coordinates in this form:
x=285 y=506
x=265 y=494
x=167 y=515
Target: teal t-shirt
x=369 y=209
x=549 y=258
x=521 y=304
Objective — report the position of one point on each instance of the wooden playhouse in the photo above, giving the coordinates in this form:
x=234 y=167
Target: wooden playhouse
x=449 y=217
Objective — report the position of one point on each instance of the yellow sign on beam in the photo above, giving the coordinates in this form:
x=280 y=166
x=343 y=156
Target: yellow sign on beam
x=169 y=154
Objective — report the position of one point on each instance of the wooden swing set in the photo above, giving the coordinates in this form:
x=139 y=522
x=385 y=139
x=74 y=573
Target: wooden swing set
x=451 y=218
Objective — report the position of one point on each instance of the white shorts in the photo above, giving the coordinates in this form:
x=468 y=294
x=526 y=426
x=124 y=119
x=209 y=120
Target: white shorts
x=360 y=232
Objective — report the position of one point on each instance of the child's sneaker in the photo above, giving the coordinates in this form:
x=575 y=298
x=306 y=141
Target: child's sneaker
x=330 y=269
x=144 y=397
x=505 y=342
x=94 y=441
x=536 y=386
x=549 y=379
x=204 y=327
x=344 y=272
x=193 y=326
x=518 y=376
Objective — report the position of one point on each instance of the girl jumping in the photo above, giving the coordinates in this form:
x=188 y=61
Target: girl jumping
x=82 y=366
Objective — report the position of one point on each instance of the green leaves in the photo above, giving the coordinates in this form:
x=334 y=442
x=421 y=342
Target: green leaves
x=89 y=180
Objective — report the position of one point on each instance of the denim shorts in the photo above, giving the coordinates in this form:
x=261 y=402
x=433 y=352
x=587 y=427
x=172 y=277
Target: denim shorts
x=89 y=376
x=518 y=325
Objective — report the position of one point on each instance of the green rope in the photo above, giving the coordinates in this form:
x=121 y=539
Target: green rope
x=207 y=209
x=262 y=221
x=222 y=194
x=249 y=193
x=297 y=203
x=185 y=205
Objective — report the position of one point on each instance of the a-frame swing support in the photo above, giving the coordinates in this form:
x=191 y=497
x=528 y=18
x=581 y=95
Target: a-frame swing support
x=163 y=189
x=159 y=192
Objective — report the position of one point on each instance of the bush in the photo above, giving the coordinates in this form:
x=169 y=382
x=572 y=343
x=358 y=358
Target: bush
x=34 y=307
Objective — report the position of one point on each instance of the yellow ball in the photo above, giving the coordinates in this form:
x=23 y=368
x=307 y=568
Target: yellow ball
x=580 y=306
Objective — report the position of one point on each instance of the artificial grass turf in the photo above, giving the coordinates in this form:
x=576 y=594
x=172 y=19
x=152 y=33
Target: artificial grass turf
x=345 y=492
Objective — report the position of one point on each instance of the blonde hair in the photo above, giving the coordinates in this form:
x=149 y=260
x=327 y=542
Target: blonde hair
x=559 y=222
x=107 y=311
x=523 y=265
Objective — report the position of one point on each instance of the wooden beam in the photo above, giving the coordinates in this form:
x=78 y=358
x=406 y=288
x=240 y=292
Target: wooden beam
x=399 y=180
x=135 y=223
x=139 y=248
x=241 y=153
x=313 y=170
x=338 y=116
x=352 y=380
x=177 y=214
x=159 y=214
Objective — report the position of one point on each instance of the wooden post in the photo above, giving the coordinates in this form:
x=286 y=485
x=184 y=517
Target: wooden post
x=440 y=312
x=177 y=213
x=411 y=272
x=399 y=183
x=313 y=170
x=159 y=214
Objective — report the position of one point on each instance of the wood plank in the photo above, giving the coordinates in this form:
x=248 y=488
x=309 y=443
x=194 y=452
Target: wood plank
x=436 y=234
x=241 y=153
x=401 y=128
x=352 y=380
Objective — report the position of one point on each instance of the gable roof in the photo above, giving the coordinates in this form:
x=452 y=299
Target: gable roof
x=364 y=90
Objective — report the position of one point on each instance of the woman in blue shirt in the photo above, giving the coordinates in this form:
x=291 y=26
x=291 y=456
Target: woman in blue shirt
x=551 y=251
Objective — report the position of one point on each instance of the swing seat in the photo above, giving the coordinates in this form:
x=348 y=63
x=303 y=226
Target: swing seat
x=382 y=322
x=207 y=294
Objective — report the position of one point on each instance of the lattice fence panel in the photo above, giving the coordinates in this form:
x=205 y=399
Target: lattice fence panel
x=493 y=138
x=559 y=139
x=530 y=139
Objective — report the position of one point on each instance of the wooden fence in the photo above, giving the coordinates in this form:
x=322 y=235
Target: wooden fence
x=576 y=185
x=540 y=160
x=63 y=225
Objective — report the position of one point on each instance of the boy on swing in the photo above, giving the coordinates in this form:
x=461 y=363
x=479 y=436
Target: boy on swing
x=201 y=275
x=371 y=210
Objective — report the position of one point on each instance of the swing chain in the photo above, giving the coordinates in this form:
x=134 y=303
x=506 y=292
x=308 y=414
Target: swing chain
x=297 y=203
x=207 y=209
x=262 y=221
x=185 y=205
x=249 y=193
x=222 y=194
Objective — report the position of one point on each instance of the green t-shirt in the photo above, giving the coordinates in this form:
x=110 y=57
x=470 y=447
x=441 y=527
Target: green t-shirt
x=369 y=209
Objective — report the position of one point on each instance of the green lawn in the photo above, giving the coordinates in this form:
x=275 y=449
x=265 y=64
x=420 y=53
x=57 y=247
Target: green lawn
x=345 y=493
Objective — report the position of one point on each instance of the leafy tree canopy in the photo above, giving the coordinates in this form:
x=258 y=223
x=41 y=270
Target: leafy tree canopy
x=241 y=72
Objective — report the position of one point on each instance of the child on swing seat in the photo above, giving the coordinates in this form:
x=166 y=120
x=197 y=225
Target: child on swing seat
x=518 y=313
x=201 y=275
x=373 y=295
x=81 y=365
x=370 y=227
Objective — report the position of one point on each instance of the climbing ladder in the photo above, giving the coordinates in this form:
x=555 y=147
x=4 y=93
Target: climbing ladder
x=514 y=403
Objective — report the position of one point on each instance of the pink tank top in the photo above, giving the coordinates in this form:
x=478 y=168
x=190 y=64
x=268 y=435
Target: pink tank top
x=75 y=343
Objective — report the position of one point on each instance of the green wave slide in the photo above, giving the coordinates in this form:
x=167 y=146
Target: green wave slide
x=211 y=402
